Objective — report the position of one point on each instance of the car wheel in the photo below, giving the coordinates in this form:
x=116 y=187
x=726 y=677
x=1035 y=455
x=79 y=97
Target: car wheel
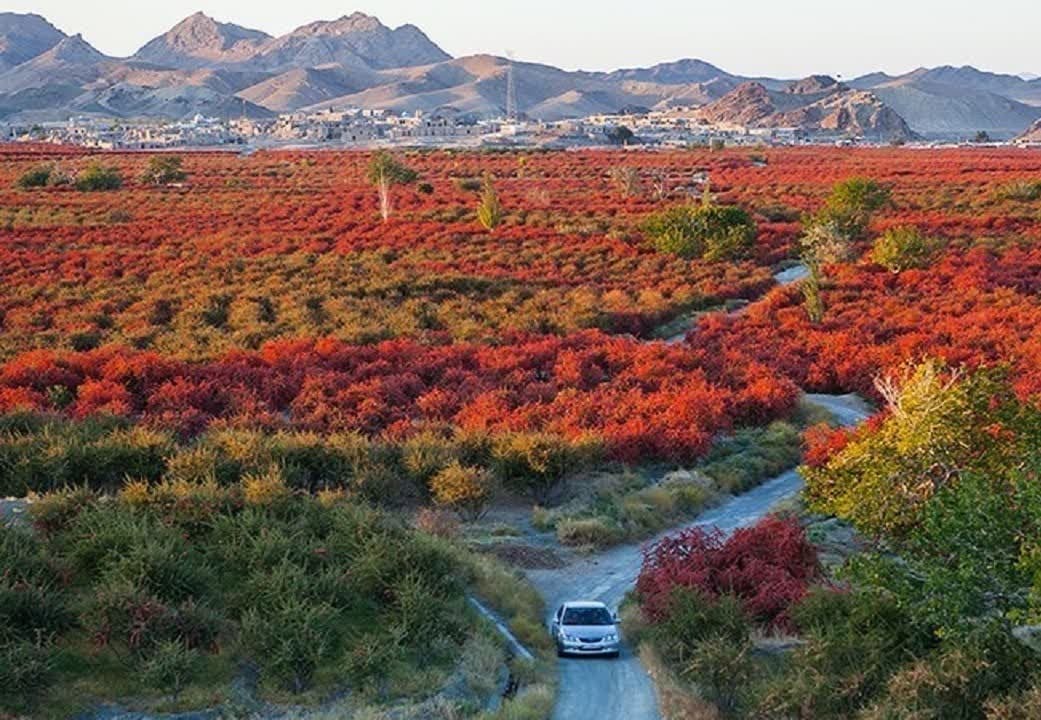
x=614 y=655
x=560 y=652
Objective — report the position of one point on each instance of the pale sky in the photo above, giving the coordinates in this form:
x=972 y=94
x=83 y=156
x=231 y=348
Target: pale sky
x=778 y=38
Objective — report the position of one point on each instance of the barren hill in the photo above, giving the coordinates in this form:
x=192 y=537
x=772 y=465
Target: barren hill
x=949 y=101
x=1032 y=135
x=202 y=65
x=23 y=37
x=200 y=41
x=817 y=103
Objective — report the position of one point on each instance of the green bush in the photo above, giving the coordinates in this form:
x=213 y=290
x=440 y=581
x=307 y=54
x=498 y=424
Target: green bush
x=1020 y=190
x=593 y=531
x=29 y=611
x=48 y=454
x=174 y=574
x=753 y=455
x=711 y=232
x=958 y=681
x=290 y=638
x=534 y=462
x=854 y=642
x=57 y=510
x=852 y=204
x=35 y=177
x=426 y=454
x=903 y=248
x=26 y=671
x=164 y=170
x=97 y=177
x=694 y=617
x=169 y=666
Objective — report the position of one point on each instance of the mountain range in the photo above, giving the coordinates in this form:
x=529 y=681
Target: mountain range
x=222 y=69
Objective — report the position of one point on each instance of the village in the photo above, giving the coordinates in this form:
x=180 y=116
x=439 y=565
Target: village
x=446 y=127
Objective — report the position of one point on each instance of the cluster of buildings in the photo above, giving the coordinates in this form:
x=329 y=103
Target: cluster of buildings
x=368 y=128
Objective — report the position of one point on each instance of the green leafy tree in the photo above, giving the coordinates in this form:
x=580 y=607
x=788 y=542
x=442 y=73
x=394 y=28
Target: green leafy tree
x=940 y=426
x=853 y=203
x=385 y=172
x=620 y=135
x=489 y=210
x=164 y=170
x=709 y=231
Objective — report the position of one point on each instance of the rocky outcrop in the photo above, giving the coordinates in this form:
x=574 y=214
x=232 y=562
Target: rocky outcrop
x=817 y=104
x=850 y=113
x=200 y=41
x=749 y=104
x=354 y=40
x=815 y=85
x=1032 y=135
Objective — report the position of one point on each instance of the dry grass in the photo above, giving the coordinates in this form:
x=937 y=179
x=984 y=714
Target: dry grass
x=675 y=700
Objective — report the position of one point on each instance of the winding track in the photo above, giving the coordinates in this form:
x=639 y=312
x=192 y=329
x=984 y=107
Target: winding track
x=595 y=689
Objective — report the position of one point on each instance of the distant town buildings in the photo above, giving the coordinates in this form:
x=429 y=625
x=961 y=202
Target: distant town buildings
x=676 y=127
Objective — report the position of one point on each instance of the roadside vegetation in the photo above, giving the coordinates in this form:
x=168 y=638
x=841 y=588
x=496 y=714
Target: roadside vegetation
x=934 y=618
x=625 y=507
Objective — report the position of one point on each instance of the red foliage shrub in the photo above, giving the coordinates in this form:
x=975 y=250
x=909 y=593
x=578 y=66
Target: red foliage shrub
x=643 y=400
x=768 y=566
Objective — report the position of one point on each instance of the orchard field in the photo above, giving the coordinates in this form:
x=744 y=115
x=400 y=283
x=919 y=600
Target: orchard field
x=265 y=292
x=193 y=352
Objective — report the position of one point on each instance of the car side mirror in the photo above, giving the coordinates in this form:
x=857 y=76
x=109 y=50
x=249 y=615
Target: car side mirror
x=616 y=619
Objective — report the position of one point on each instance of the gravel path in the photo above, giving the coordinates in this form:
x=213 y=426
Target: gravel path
x=596 y=689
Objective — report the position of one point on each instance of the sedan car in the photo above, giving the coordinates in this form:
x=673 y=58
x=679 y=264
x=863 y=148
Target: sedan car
x=585 y=628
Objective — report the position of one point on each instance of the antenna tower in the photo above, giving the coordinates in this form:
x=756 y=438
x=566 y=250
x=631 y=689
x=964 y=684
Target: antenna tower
x=511 y=89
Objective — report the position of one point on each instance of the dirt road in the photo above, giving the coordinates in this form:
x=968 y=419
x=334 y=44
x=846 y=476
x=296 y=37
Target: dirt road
x=594 y=689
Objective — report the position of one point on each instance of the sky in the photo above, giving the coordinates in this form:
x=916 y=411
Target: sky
x=783 y=38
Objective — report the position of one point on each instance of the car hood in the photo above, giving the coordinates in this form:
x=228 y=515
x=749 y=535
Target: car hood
x=590 y=630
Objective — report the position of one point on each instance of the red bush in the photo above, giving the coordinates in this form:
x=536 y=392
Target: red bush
x=768 y=566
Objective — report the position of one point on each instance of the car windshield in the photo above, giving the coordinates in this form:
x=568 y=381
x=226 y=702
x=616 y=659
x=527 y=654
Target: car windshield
x=587 y=616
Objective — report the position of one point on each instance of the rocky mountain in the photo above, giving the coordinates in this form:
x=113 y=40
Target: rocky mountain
x=477 y=85
x=959 y=101
x=219 y=68
x=818 y=103
x=72 y=64
x=200 y=41
x=302 y=87
x=357 y=40
x=23 y=37
x=1032 y=135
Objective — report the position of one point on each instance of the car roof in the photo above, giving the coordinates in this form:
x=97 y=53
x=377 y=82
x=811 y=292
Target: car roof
x=584 y=604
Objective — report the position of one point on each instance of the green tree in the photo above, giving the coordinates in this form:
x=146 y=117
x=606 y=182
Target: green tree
x=852 y=204
x=620 y=135
x=708 y=231
x=489 y=211
x=386 y=171
x=164 y=170
x=940 y=426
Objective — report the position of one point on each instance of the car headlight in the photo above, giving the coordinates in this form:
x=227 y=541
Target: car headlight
x=610 y=637
x=570 y=638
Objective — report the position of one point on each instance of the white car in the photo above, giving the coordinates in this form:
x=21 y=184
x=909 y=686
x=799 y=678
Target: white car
x=585 y=628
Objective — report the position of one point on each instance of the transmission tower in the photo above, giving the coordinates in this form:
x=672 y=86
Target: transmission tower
x=511 y=89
